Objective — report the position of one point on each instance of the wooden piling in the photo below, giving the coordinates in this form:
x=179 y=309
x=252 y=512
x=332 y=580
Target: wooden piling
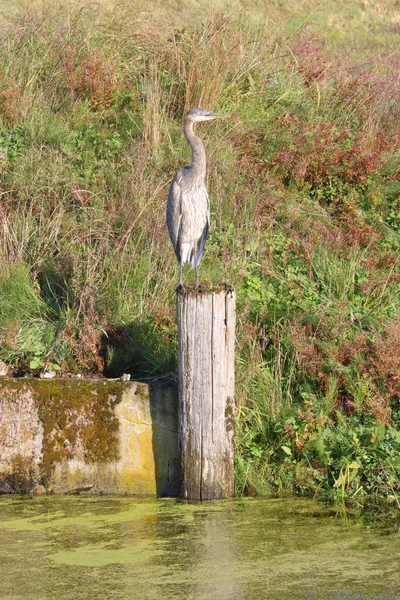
x=206 y=337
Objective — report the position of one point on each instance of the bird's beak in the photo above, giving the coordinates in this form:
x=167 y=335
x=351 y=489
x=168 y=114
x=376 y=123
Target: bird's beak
x=210 y=116
x=213 y=115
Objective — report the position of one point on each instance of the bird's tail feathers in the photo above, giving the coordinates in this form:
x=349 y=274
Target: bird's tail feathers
x=187 y=254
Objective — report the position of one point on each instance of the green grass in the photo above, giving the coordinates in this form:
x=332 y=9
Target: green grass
x=304 y=187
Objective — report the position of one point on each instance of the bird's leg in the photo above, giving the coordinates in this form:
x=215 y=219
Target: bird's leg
x=196 y=267
x=180 y=275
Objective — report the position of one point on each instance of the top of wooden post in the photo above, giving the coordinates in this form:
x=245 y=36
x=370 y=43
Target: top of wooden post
x=203 y=290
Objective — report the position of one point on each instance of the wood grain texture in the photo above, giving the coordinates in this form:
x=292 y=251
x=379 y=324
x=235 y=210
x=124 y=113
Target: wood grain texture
x=206 y=336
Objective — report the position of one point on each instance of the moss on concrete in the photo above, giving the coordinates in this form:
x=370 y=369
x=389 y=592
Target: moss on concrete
x=77 y=416
x=76 y=413
x=109 y=435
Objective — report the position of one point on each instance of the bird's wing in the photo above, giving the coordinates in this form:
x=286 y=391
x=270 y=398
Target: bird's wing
x=174 y=212
x=204 y=236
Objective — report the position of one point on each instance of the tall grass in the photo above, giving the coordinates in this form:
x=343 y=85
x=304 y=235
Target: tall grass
x=304 y=187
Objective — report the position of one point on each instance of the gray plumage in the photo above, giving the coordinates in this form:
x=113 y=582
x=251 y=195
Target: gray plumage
x=188 y=207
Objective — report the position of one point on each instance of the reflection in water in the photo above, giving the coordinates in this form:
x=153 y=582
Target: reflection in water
x=251 y=549
x=218 y=558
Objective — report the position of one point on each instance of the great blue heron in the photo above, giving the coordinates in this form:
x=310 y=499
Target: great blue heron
x=188 y=207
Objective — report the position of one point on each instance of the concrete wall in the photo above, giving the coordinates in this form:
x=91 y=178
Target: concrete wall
x=57 y=436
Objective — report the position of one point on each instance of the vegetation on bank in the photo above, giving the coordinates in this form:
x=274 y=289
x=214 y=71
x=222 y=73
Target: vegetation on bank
x=305 y=195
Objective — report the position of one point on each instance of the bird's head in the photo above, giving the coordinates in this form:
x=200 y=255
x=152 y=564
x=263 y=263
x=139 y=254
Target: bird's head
x=199 y=114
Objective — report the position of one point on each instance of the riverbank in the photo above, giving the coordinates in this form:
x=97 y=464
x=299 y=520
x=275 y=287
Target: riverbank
x=304 y=187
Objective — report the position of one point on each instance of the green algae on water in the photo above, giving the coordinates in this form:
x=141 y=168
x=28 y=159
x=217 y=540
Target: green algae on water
x=250 y=549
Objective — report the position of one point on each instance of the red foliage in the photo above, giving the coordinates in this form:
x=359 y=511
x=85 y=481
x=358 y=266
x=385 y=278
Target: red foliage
x=308 y=355
x=330 y=158
x=357 y=232
x=10 y=100
x=341 y=353
x=85 y=335
x=310 y=61
x=370 y=89
x=386 y=358
x=380 y=408
x=92 y=76
x=321 y=155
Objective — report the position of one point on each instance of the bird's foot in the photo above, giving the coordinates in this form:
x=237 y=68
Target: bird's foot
x=202 y=287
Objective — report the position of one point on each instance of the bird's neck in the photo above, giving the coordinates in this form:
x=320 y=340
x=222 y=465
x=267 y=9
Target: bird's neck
x=198 y=165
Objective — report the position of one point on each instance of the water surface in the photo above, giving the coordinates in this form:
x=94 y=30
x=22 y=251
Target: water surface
x=250 y=549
